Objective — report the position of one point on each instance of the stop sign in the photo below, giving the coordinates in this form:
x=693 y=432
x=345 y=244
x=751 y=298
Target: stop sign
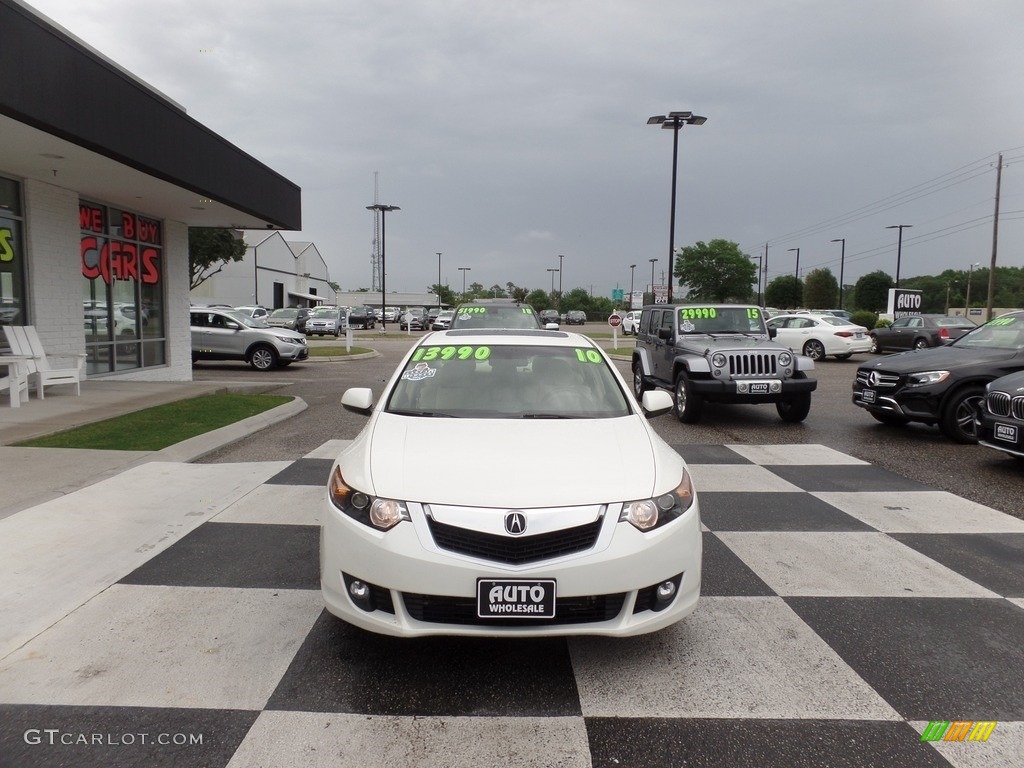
x=615 y=320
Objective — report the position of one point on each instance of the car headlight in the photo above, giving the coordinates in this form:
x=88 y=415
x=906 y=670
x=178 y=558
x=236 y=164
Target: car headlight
x=718 y=360
x=925 y=378
x=285 y=339
x=785 y=359
x=648 y=514
x=382 y=514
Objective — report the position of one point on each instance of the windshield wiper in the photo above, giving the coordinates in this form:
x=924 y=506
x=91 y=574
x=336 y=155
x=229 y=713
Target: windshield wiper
x=427 y=414
x=546 y=416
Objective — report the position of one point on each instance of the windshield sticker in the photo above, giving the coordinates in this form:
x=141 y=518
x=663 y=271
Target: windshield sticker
x=753 y=314
x=419 y=372
x=1007 y=320
x=697 y=313
x=687 y=326
x=483 y=310
x=588 y=356
x=427 y=354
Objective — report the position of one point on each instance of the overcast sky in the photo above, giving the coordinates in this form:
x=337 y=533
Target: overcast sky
x=512 y=131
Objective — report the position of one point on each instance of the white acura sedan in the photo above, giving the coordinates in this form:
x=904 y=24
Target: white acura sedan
x=490 y=539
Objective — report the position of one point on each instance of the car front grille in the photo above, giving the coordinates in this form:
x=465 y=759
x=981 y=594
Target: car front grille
x=463 y=610
x=753 y=364
x=877 y=379
x=514 y=551
x=1001 y=404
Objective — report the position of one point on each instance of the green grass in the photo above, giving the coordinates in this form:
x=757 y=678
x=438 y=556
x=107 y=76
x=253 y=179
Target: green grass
x=316 y=350
x=153 y=429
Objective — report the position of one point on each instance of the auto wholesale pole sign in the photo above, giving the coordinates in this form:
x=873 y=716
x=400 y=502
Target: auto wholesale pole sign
x=903 y=302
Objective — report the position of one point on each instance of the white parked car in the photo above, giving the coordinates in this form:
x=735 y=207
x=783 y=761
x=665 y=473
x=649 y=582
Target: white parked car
x=605 y=541
x=820 y=336
x=631 y=322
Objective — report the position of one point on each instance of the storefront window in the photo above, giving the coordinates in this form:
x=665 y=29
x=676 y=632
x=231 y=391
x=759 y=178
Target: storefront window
x=12 y=256
x=122 y=263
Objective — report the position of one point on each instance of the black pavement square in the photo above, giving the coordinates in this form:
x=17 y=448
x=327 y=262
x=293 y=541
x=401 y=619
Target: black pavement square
x=863 y=478
x=709 y=454
x=341 y=668
x=930 y=658
x=119 y=737
x=745 y=511
x=246 y=555
x=647 y=742
x=723 y=574
x=304 y=472
x=994 y=560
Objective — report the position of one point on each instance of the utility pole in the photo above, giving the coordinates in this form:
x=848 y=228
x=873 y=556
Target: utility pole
x=995 y=242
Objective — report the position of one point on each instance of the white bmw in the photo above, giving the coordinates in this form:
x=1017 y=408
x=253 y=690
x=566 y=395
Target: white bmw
x=493 y=539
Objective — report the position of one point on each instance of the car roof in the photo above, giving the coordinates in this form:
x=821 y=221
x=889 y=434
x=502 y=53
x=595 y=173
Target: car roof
x=507 y=336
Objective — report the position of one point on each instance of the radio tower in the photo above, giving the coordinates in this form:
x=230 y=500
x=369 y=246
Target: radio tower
x=375 y=252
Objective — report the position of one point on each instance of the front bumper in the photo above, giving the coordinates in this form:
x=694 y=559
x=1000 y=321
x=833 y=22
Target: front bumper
x=293 y=352
x=407 y=570
x=1001 y=433
x=919 y=404
x=731 y=391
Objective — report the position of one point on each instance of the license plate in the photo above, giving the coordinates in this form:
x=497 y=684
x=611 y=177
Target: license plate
x=515 y=598
x=1006 y=432
x=858 y=335
x=868 y=395
x=759 y=388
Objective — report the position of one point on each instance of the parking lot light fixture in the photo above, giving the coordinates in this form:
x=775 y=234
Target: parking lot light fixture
x=383 y=259
x=842 y=261
x=899 y=247
x=464 y=270
x=673 y=121
x=796 y=272
x=632 y=269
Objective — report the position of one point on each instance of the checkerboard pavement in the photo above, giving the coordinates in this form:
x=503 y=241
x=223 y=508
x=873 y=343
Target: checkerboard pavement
x=843 y=608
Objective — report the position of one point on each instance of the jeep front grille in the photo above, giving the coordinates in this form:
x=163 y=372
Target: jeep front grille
x=753 y=364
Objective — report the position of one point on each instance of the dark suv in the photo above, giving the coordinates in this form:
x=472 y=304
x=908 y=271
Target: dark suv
x=720 y=353
x=942 y=385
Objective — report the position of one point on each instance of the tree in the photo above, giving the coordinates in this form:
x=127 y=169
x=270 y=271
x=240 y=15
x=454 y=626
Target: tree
x=821 y=289
x=447 y=294
x=539 y=299
x=209 y=249
x=519 y=294
x=717 y=271
x=784 y=292
x=872 y=291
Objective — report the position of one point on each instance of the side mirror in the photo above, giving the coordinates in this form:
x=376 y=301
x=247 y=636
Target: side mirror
x=358 y=400
x=772 y=331
x=665 y=333
x=656 y=402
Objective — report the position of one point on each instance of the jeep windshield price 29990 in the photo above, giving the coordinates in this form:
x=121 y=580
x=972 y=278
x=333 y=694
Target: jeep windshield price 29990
x=720 y=353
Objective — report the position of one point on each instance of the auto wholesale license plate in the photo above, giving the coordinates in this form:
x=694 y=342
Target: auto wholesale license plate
x=759 y=388
x=1006 y=433
x=515 y=598
x=868 y=395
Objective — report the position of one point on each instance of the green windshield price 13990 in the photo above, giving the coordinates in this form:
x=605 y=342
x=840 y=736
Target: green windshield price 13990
x=426 y=354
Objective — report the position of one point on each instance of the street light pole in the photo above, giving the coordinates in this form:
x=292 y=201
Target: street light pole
x=560 y=257
x=383 y=259
x=632 y=269
x=797 y=271
x=759 y=257
x=552 y=270
x=438 y=280
x=899 y=248
x=464 y=270
x=673 y=121
x=653 y=262
x=967 y=298
x=842 y=260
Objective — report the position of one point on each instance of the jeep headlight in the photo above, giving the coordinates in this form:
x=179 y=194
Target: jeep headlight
x=648 y=514
x=925 y=378
x=382 y=514
x=718 y=360
x=785 y=359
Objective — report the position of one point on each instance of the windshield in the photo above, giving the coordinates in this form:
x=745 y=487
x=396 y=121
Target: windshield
x=247 y=320
x=284 y=313
x=1006 y=332
x=720 y=320
x=505 y=381
x=498 y=316
x=326 y=312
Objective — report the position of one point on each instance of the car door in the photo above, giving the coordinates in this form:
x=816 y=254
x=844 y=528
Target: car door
x=663 y=348
x=785 y=333
x=901 y=334
x=223 y=337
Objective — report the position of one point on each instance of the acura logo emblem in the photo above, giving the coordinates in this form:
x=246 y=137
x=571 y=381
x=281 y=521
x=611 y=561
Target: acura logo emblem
x=515 y=523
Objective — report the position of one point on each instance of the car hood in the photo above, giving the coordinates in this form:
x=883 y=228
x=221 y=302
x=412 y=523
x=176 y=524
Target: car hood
x=728 y=341
x=939 y=358
x=520 y=463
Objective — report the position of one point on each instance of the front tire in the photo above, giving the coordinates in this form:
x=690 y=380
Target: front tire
x=263 y=358
x=957 y=422
x=689 y=406
x=814 y=349
x=794 y=408
x=876 y=348
x=640 y=384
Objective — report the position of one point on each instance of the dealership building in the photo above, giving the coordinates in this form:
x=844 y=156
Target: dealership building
x=100 y=178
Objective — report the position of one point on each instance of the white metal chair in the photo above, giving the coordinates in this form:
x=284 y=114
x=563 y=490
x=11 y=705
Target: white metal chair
x=24 y=340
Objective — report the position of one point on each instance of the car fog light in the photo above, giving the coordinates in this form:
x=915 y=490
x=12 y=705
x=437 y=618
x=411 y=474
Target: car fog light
x=360 y=591
x=665 y=592
x=776 y=386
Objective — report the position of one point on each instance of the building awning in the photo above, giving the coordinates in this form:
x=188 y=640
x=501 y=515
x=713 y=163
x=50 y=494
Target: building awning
x=307 y=296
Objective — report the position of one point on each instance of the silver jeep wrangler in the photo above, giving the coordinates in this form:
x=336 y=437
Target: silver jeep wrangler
x=721 y=353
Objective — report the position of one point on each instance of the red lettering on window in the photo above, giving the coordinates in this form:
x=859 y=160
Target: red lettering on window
x=124 y=261
x=128 y=225
x=90 y=218
x=90 y=258
x=150 y=266
x=149 y=231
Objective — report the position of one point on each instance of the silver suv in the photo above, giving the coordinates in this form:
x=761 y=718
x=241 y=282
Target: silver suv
x=720 y=353
x=224 y=334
